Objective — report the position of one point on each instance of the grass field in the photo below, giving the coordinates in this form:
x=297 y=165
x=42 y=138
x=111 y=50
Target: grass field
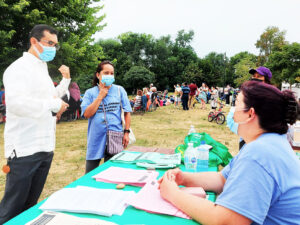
x=166 y=127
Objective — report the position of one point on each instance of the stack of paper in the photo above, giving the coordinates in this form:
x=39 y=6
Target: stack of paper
x=133 y=177
x=149 y=199
x=56 y=218
x=81 y=199
x=148 y=159
x=126 y=157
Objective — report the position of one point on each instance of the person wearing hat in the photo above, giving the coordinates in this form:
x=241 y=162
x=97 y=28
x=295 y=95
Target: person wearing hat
x=261 y=74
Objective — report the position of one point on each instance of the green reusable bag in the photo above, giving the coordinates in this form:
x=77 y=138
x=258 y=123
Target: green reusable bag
x=218 y=155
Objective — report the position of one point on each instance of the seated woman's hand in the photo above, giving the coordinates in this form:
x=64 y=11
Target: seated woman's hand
x=168 y=187
x=175 y=174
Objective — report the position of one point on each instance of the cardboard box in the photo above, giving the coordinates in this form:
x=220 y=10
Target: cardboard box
x=294 y=134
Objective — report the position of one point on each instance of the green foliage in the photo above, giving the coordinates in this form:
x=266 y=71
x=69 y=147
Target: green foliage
x=138 y=77
x=242 y=70
x=166 y=59
x=242 y=75
x=84 y=82
x=214 y=67
x=285 y=64
x=193 y=73
x=75 y=20
x=271 y=40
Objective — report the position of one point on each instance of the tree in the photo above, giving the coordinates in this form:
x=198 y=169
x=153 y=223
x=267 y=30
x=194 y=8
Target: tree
x=242 y=70
x=234 y=60
x=285 y=64
x=213 y=66
x=271 y=40
x=166 y=59
x=76 y=22
x=138 y=77
x=184 y=39
x=193 y=73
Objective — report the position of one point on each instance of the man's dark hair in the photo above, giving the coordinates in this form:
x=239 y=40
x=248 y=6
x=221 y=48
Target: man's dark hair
x=2 y=86
x=185 y=83
x=38 y=31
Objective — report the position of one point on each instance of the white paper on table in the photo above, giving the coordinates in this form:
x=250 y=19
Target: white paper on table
x=56 y=218
x=125 y=156
x=147 y=157
x=164 y=159
x=149 y=199
x=81 y=199
x=127 y=176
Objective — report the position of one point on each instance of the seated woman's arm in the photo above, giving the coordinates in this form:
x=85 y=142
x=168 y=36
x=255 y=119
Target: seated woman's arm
x=202 y=210
x=209 y=181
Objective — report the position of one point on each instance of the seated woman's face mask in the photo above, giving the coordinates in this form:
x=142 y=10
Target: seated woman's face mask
x=233 y=126
x=108 y=79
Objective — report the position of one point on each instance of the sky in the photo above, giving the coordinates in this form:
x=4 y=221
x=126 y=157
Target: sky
x=220 y=26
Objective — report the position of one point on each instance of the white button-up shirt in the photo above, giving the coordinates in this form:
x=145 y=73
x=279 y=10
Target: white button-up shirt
x=30 y=98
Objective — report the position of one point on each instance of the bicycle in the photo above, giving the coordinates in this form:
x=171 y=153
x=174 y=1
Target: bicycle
x=217 y=115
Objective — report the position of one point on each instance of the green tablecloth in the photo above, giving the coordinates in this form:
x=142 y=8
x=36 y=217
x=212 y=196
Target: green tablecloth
x=130 y=215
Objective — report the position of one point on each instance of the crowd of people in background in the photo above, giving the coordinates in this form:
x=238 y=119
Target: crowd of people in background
x=185 y=95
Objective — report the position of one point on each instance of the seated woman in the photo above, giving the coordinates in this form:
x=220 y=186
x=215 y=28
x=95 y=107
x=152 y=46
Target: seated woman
x=145 y=99
x=261 y=185
x=138 y=101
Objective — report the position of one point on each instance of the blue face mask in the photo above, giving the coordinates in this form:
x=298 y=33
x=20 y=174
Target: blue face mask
x=48 y=53
x=107 y=80
x=233 y=126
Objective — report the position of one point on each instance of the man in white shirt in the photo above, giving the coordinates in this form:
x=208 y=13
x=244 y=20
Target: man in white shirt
x=29 y=134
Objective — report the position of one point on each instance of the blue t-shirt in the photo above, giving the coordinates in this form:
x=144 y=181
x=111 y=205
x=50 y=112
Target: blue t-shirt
x=185 y=90
x=96 y=135
x=263 y=182
x=1 y=93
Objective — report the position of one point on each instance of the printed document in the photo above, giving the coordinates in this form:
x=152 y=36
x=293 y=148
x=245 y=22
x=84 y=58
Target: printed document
x=56 y=218
x=149 y=199
x=127 y=176
x=82 y=199
x=147 y=157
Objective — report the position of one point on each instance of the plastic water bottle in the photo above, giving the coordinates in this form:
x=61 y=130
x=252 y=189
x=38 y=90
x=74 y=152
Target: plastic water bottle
x=190 y=158
x=202 y=158
x=192 y=130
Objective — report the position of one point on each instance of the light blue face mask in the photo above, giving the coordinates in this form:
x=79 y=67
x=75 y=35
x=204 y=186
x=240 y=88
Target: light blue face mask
x=233 y=126
x=107 y=80
x=48 y=53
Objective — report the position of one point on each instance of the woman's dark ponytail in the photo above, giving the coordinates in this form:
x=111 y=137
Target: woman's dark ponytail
x=291 y=107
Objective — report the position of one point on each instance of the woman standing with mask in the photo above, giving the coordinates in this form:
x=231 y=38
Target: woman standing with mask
x=101 y=104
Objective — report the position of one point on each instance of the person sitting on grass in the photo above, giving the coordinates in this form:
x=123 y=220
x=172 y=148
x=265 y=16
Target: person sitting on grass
x=261 y=185
x=138 y=101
